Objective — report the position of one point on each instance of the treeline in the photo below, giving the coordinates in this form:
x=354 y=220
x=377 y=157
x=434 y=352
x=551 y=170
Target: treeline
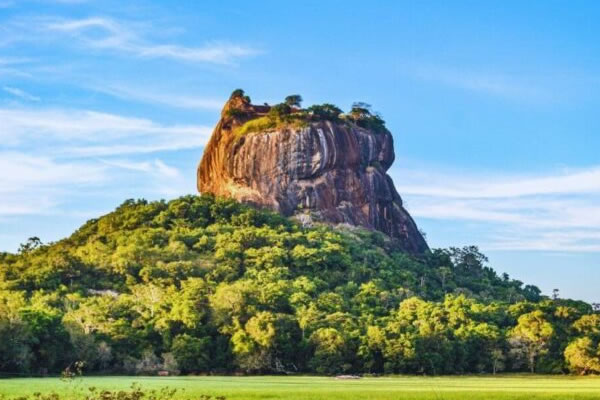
x=205 y=285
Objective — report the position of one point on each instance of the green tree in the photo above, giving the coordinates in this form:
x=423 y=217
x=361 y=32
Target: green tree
x=583 y=356
x=280 y=111
x=31 y=244
x=205 y=284
x=329 y=351
x=48 y=339
x=294 y=100
x=531 y=337
x=325 y=112
x=15 y=337
x=192 y=353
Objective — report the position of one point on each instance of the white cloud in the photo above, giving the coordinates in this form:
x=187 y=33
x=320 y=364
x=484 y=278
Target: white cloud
x=55 y=158
x=20 y=93
x=12 y=66
x=67 y=1
x=502 y=85
x=156 y=167
x=160 y=178
x=166 y=171
x=89 y=133
x=576 y=181
x=40 y=185
x=536 y=212
x=24 y=171
x=557 y=211
x=164 y=98
x=109 y=34
x=35 y=184
x=13 y=206
x=13 y=61
x=552 y=241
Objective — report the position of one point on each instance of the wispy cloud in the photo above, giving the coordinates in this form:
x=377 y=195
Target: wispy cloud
x=13 y=66
x=110 y=34
x=79 y=133
x=4 y=61
x=20 y=93
x=164 y=98
x=164 y=179
x=35 y=184
x=67 y=1
x=156 y=166
x=41 y=185
x=558 y=211
x=23 y=171
x=552 y=241
x=508 y=86
x=51 y=155
x=572 y=182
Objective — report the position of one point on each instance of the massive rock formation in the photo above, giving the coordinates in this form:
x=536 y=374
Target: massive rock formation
x=324 y=170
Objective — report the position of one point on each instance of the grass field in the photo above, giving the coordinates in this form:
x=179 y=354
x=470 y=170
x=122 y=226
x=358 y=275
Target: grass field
x=304 y=388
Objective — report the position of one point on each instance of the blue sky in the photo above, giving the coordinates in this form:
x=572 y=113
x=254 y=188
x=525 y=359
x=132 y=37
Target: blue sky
x=493 y=107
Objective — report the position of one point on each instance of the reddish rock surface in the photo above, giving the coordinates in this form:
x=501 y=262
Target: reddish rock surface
x=327 y=171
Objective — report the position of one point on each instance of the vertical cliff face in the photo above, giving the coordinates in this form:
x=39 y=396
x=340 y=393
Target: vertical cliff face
x=332 y=171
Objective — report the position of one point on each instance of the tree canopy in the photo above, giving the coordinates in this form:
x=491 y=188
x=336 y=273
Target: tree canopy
x=293 y=100
x=201 y=284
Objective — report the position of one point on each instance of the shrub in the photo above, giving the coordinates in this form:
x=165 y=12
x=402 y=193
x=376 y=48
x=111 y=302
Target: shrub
x=136 y=392
x=293 y=100
x=240 y=93
x=235 y=113
x=237 y=93
x=325 y=112
x=280 y=111
x=192 y=354
x=362 y=116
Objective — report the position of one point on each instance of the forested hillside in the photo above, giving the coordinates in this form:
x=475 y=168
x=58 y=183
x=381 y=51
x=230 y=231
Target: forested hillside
x=205 y=285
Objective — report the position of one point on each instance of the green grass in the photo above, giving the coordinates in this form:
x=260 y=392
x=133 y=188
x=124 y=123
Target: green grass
x=256 y=125
x=267 y=123
x=315 y=388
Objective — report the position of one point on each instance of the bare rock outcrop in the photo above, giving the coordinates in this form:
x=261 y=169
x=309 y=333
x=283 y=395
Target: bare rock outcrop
x=331 y=170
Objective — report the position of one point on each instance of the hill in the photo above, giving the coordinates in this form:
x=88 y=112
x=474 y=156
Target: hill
x=207 y=285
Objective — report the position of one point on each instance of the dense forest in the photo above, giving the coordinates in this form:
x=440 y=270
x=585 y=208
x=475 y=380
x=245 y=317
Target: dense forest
x=207 y=285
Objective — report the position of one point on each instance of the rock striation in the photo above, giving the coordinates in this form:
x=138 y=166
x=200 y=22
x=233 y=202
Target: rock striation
x=330 y=171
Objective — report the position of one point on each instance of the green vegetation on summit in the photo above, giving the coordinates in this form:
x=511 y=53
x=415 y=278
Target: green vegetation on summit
x=290 y=114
